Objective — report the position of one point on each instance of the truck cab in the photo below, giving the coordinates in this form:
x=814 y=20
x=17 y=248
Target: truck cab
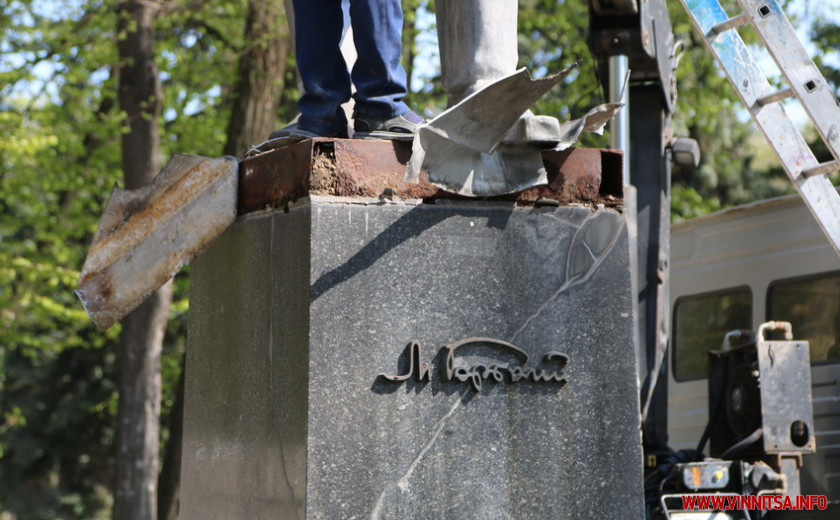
x=736 y=269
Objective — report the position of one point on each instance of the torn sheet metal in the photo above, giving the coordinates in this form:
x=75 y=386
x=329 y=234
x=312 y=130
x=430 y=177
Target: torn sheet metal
x=146 y=235
x=466 y=171
x=594 y=121
x=483 y=118
x=462 y=150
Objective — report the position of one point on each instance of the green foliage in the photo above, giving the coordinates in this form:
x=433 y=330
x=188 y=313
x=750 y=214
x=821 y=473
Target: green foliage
x=552 y=36
x=59 y=158
x=48 y=472
x=687 y=203
x=197 y=50
x=709 y=111
x=826 y=35
x=421 y=58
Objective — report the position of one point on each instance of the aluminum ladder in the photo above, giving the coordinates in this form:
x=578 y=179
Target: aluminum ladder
x=763 y=100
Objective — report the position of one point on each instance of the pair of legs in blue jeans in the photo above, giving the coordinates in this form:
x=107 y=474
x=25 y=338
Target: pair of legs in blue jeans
x=379 y=77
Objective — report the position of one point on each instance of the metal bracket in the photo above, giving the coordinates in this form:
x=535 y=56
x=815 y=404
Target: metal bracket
x=643 y=33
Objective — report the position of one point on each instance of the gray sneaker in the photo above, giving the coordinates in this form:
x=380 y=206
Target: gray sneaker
x=286 y=131
x=398 y=128
x=294 y=129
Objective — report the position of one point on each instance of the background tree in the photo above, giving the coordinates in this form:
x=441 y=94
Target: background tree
x=261 y=73
x=59 y=156
x=552 y=36
x=709 y=111
x=256 y=98
x=57 y=370
x=141 y=341
x=825 y=34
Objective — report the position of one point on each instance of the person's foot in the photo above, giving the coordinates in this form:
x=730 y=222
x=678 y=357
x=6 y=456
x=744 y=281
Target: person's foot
x=398 y=128
x=290 y=134
x=294 y=129
x=286 y=131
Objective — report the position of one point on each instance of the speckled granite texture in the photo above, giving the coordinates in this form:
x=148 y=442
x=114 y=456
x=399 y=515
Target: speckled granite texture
x=294 y=316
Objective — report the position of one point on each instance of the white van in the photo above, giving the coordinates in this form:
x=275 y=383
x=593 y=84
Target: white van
x=736 y=269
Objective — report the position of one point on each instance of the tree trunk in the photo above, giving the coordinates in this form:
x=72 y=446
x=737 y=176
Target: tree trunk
x=138 y=358
x=138 y=427
x=260 y=79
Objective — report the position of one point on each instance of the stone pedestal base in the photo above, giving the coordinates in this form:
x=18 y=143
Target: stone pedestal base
x=450 y=360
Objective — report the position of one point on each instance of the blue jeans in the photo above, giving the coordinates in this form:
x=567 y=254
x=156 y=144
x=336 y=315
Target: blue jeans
x=379 y=77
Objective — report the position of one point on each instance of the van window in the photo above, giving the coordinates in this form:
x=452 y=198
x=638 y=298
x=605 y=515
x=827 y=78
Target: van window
x=812 y=306
x=701 y=322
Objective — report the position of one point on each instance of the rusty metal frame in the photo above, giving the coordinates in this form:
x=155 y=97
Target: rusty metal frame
x=374 y=168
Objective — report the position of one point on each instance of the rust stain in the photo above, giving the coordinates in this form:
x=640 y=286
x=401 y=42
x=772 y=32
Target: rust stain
x=110 y=294
x=157 y=208
x=275 y=177
x=580 y=175
x=106 y=289
x=366 y=168
x=154 y=231
x=323 y=179
x=190 y=203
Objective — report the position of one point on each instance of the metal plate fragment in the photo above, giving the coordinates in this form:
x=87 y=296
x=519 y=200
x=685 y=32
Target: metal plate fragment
x=462 y=150
x=483 y=118
x=146 y=235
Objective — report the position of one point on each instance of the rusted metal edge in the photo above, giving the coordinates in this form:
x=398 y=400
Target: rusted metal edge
x=580 y=175
x=273 y=178
x=374 y=168
x=130 y=216
x=145 y=236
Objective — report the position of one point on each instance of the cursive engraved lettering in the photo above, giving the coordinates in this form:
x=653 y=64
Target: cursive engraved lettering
x=415 y=366
x=551 y=371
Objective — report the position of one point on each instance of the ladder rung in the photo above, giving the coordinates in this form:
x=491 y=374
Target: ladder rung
x=816 y=189
x=826 y=167
x=733 y=22
x=776 y=96
x=794 y=61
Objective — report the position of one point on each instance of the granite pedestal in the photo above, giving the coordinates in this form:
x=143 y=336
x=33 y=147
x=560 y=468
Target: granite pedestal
x=356 y=358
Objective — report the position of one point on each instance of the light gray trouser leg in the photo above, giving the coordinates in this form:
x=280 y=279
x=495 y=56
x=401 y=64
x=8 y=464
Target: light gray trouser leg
x=478 y=45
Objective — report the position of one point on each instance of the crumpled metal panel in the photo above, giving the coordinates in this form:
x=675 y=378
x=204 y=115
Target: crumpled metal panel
x=593 y=121
x=146 y=235
x=482 y=119
x=462 y=150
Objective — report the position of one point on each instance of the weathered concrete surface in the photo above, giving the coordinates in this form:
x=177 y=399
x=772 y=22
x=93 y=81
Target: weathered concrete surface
x=246 y=419
x=294 y=315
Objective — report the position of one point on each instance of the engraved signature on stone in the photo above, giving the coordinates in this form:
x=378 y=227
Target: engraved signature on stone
x=551 y=371
x=415 y=366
